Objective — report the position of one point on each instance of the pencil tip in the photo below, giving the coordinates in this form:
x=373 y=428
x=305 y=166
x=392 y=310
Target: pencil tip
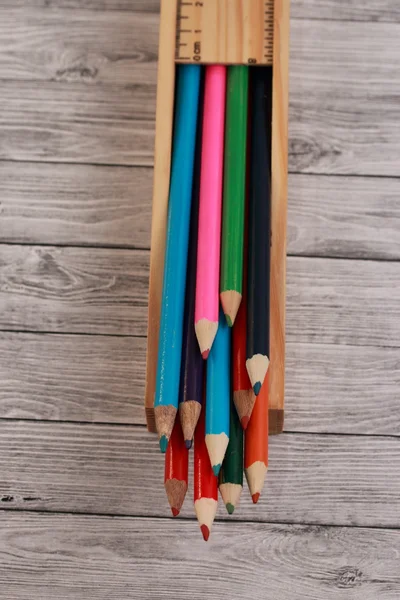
x=163 y=443
x=205 y=354
x=244 y=422
x=230 y=508
x=230 y=300
x=255 y=497
x=206 y=532
x=188 y=444
x=257 y=388
x=175 y=511
x=216 y=469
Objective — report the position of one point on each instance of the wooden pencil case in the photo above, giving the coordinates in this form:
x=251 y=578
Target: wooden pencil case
x=223 y=32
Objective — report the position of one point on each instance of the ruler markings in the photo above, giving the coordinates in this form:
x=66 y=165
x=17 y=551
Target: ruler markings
x=225 y=32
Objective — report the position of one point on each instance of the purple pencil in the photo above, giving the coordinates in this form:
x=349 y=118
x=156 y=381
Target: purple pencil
x=191 y=392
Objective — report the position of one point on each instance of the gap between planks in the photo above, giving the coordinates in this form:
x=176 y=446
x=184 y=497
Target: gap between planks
x=184 y=519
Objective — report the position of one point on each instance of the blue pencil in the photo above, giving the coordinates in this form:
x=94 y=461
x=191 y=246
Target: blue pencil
x=218 y=395
x=180 y=198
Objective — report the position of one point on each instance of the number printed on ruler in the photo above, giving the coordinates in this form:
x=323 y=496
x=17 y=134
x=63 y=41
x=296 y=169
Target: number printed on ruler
x=225 y=31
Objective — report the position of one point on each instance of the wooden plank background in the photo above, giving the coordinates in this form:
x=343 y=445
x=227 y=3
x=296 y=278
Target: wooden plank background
x=79 y=515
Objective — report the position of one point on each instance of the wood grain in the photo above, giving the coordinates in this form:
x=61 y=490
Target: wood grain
x=73 y=290
x=70 y=556
x=349 y=217
x=72 y=377
x=342 y=389
x=104 y=291
x=75 y=122
x=77 y=45
x=135 y=6
x=111 y=207
x=329 y=388
x=349 y=296
x=341 y=120
x=321 y=479
x=80 y=205
x=279 y=199
x=352 y=10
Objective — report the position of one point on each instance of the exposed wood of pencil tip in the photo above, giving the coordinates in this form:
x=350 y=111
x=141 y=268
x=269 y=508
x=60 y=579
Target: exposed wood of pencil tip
x=230 y=301
x=217 y=444
x=205 y=332
x=162 y=165
x=244 y=403
x=206 y=509
x=257 y=367
x=255 y=476
x=165 y=419
x=189 y=412
x=230 y=493
x=279 y=169
x=176 y=492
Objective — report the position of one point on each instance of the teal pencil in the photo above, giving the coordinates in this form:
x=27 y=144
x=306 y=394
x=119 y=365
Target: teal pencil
x=173 y=300
x=218 y=391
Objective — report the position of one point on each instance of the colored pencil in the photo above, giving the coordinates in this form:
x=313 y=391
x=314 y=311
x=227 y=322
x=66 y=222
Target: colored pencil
x=234 y=190
x=231 y=474
x=170 y=339
x=256 y=444
x=218 y=395
x=258 y=311
x=243 y=394
x=205 y=482
x=208 y=253
x=192 y=377
x=176 y=469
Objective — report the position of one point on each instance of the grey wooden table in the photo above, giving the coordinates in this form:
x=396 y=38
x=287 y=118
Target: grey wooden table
x=80 y=518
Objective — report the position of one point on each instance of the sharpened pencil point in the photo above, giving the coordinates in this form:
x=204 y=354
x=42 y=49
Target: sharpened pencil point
x=188 y=444
x=255 y=497
x=216 y=469
x=244 y=422
x=230 y=508
x=205 y=354
x=206 y=532
x=163 y=443
x=175 y=511
x=257 y=388
x=230 y=301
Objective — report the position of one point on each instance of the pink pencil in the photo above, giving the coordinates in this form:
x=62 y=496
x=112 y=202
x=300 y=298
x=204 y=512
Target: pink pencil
x=208 y=246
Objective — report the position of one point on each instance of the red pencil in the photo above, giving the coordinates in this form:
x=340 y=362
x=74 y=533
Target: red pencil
x=256 y=444
x=205 y=482
x=176 y=469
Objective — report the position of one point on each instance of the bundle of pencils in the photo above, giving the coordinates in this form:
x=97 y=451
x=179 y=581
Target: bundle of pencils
x=214 y=338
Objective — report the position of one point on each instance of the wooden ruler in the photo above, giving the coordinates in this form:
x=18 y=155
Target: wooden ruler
x=225 y=31
x=252 y=32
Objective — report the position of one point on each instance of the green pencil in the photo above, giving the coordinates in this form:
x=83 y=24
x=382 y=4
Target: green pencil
x=234 y=190
x=231 y=474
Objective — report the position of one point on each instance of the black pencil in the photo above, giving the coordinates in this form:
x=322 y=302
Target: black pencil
x=259 y=233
